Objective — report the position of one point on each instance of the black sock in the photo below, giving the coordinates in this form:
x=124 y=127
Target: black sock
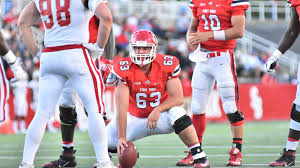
x=237 y=143
x=195 y=151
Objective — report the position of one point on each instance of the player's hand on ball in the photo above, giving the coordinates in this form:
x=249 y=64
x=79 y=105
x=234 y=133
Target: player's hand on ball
x=153 y=119
x=122 y=144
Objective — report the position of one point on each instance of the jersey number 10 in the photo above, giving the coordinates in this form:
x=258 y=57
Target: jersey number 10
x=214 y=22
x=46 y=11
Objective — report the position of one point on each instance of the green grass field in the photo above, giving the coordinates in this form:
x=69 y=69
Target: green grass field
x=262 y=143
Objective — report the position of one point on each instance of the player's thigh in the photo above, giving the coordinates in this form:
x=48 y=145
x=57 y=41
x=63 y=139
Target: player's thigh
x=87 y=82
x=66 y=98
x=136 y=129
x=51 y=82
x=227 y=83
x=49 y=91
x=202 y=84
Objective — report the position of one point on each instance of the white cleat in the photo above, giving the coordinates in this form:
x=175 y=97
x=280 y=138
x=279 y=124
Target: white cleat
x=108 y=164
x=26 y=165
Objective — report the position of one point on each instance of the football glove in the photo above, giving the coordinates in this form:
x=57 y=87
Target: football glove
x=272 y=61
x=94 y=49
x=108 y=76
x=38 y=55
x=19 y=73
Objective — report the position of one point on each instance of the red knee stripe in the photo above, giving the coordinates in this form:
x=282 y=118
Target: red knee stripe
x=3 y=98
x=234 y=76
x=95 y=73
x=237 y=123
x=292 y=139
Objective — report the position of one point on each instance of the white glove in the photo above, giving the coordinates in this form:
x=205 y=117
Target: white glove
x=272 y=61
x=19 y=73
x=94 y=49
x=38 y=55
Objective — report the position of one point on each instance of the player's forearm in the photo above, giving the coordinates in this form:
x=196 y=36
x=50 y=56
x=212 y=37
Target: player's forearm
x=234 y=33
x=29 y=40
x=287 y=40
x=104 y=15
x=291 y=33
x=110 y=46
x=121 y=123
x=238 y=28
x=103 y=32
x=122 y=103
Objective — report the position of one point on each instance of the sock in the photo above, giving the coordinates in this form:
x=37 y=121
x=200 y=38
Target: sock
x=198 y=154
x=22 y=125
x=237 y=143
x=68 y=144
x=199 y=123
x=15 y=126
x=291 y=144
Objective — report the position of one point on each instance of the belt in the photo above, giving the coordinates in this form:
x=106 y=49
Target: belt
x=64 y=47
x=214 y=54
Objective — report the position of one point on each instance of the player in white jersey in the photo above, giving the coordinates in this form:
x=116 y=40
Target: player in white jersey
x=65 y=58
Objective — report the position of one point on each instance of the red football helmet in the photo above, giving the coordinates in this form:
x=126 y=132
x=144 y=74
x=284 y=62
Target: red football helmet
x=143 y=38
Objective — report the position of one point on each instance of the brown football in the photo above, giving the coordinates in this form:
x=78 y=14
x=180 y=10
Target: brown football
x=128 y=157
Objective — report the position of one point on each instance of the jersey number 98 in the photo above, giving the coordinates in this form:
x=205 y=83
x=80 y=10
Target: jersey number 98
x=46 y=11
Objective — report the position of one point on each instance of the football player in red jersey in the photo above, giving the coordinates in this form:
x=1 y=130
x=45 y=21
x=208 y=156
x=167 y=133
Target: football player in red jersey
x=148 y=98
x=288 y=156
x=215 y=27
x=15 y=66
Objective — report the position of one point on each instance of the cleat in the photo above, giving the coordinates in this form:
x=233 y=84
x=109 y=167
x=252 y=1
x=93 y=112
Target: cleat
x=67 y=159
x=235 y=157
x=187 y=161
x=25 y=165
x=108 y=164
x=203 y=164
x=286 y=159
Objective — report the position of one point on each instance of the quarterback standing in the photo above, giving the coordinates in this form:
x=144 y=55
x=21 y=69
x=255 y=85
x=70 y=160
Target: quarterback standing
x=215 y=27
x=65 y=59
x=148 y=98
x=288 y=155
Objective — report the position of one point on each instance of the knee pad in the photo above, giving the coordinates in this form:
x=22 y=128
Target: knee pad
x=68 y=116
x=182 y=123
x=229 y=107
x=228 y=96
x=235 y=118
x=295 y=115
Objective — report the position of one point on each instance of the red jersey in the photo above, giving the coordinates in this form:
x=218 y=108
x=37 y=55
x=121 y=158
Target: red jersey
x=215 y=15
x=296 y=5
x=147 y=91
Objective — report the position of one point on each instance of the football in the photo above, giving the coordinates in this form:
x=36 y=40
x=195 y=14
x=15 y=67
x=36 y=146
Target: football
x=128 y=157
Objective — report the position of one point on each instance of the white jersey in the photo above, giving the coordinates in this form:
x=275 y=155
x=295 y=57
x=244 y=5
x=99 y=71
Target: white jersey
x=65 y=21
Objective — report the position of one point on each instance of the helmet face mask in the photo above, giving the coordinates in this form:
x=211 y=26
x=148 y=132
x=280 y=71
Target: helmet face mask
x=146 y=40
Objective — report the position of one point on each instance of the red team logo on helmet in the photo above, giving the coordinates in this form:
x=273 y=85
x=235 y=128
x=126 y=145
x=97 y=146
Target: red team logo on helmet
x=143 y=38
